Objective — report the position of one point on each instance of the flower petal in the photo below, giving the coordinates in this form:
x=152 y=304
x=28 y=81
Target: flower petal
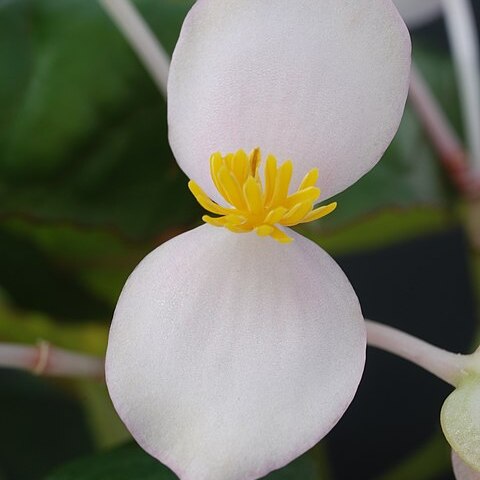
x=460 y=418
x=230 y=354
x=320 y=82
x=417 y=12
x=461 y=470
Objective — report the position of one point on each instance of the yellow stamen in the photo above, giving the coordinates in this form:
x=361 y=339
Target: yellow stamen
x=255 y=158
x=254 y=208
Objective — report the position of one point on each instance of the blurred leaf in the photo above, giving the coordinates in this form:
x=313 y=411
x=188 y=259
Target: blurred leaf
x=125 y=463
x=476 y=274
x=429 y=462
x=34 y=282
x=99 y=260
x=388 y=227
x=437 y=67
x=41 y=427
x=84 y=133
x=304 y=468
x=21 y=327
x=104 y=422
x=132 y=463
x=15 y=57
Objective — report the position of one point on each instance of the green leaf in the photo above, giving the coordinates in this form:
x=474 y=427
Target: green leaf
x=386 y=228
x=125 y=463
x=42 y=426
x=131 y=463
x=100 y=260
x=84 y=133
x=304 y=468
x=105 y=425
x=20 y=327
x=32 y=281
x=429 y=462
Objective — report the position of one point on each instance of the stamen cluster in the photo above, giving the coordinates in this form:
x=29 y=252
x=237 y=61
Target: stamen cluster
x=256 y=206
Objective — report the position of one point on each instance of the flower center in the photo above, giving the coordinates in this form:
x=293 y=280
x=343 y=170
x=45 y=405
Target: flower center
x=256 y=206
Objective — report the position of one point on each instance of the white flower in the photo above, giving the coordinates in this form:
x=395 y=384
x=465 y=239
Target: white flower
x=461 y=470
x=230 y=354
x=460 y=419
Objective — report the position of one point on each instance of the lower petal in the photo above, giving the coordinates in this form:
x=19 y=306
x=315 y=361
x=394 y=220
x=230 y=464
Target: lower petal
x=461 y=470
x=230 y=354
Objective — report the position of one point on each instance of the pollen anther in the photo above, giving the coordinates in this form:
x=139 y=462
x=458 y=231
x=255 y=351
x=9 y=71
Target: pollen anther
x=253 y=206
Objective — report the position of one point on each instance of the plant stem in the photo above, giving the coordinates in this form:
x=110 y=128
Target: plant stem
x=463 y=37
x=141 y=38
x=44 y=359
x=449 y=367
x=443 y=136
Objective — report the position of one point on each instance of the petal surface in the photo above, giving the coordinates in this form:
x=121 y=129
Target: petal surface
x=460 y=418
x=461 y=470
x=230 y=354
x=417 y=12
x=320 y=82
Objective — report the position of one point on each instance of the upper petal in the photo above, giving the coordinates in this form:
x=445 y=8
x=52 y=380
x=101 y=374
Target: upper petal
x=418 y=12
x=230 y=354
x=320 y=82
x=461 y=470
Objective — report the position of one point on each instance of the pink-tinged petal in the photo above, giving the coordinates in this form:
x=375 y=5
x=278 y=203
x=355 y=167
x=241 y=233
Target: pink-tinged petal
x=461 y=470
x=230 y=354
x=417 y=12
x=320 y=82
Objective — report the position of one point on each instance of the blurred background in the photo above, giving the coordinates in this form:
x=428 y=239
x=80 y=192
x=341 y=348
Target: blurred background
x=88 y=186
